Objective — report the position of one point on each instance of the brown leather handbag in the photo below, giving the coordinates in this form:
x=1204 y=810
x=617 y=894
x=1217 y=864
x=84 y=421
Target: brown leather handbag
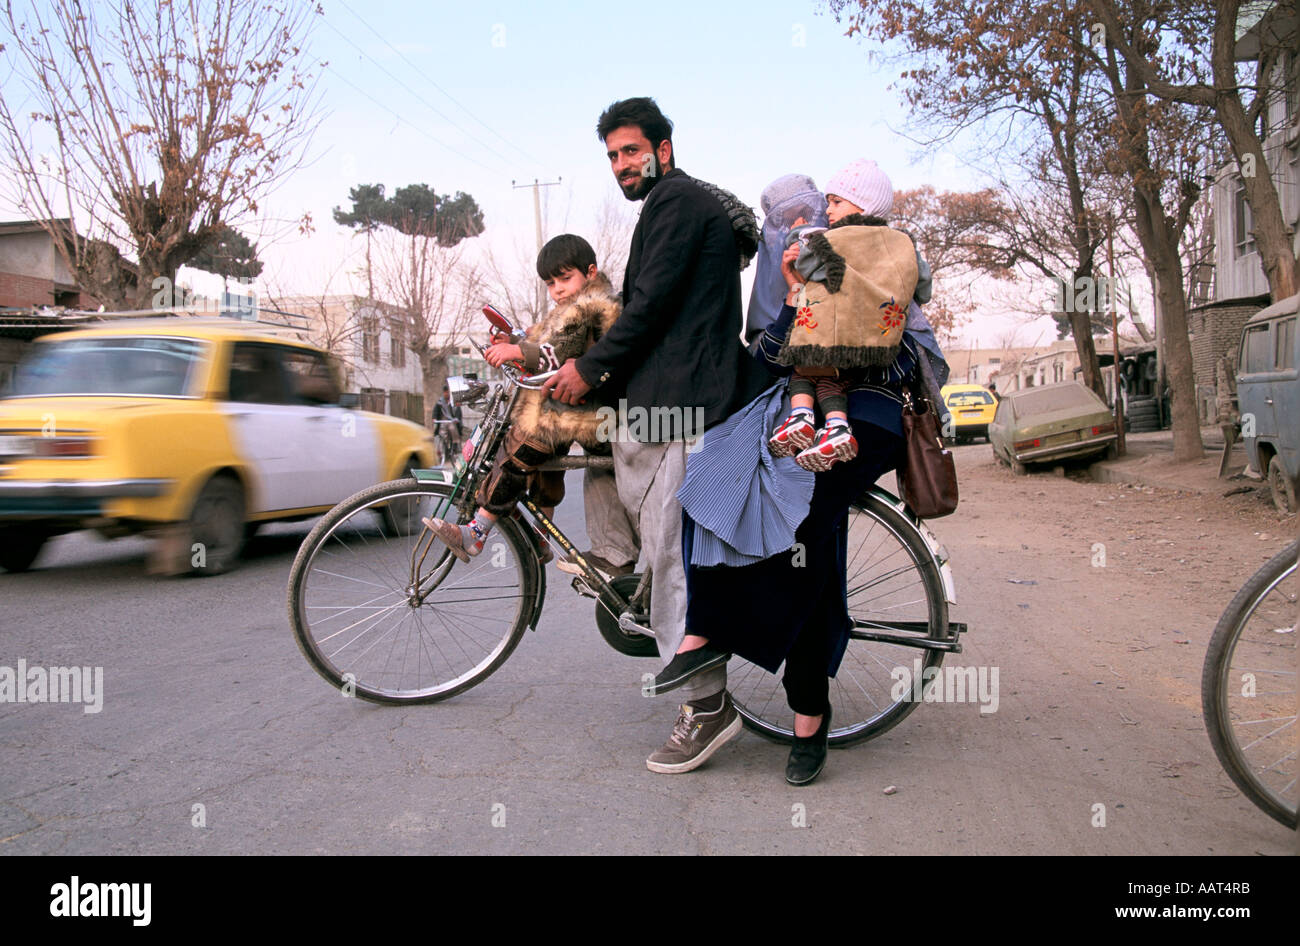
x=927 y=480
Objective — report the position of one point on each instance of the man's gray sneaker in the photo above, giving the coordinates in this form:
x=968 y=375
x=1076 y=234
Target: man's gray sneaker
x=607 y=570
x=696 y=736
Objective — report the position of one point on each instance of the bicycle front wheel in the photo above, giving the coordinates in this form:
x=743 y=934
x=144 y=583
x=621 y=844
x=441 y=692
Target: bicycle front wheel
x=383 y=610
x=894 y=587
x=1249 y=691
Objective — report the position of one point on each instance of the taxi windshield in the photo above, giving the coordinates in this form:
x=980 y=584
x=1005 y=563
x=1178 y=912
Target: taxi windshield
x=148 y=367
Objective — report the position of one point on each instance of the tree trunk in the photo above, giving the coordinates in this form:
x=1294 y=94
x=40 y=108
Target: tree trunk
x=1084 y=344
x=434 y=372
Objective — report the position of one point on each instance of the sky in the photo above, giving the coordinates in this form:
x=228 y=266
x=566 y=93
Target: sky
x=473 y=97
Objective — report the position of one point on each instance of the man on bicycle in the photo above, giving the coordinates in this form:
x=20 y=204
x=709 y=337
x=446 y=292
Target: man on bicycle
x=451 y=428
x=674 y=351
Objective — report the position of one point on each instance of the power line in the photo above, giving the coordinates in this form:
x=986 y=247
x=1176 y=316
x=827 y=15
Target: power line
x=426 y=78
x=417 y=95
x=405 y=121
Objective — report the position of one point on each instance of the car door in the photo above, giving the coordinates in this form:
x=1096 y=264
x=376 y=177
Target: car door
x=340 y=449
x=266 y=429
x=1256 y=384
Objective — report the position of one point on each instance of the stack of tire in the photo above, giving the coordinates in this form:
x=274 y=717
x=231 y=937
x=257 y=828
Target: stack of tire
x=1142 y=415
x=1142 y=412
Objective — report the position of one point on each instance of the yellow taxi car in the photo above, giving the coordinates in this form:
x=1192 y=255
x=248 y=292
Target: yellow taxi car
x=195 y=431
x=972 y=407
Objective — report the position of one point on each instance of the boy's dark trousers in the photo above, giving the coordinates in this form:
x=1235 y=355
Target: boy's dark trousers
x=515 y=467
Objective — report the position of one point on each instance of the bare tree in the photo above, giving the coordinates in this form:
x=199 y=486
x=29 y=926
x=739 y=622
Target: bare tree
x=434 y=294
x=333 y=322
x=511 y=275
x=956 y=232
x=510 y=283
x=612 y=237
x=152 y=124
x=1164 y=47
x=1000 y=67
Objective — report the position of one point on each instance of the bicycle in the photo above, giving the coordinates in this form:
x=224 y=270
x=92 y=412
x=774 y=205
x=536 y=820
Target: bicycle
x=447 y=440
x=1248 y=687
x=382 y=609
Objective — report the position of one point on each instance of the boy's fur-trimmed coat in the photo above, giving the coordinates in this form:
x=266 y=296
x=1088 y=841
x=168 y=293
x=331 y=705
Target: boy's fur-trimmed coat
x=567 y=331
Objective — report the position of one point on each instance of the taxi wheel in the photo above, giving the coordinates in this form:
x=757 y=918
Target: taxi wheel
x=19 y=547
x=216 y=527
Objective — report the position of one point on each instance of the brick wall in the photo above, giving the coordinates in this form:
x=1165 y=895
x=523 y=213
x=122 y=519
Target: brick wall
x=20 y=291
x=1216 y=330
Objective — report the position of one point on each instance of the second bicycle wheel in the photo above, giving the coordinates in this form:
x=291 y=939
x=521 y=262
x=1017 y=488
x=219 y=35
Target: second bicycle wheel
x=365 y=624
x=892 y=583
x=1249 y=690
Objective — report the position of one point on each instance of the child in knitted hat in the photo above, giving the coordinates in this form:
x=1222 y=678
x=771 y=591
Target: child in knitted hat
x=851 y=313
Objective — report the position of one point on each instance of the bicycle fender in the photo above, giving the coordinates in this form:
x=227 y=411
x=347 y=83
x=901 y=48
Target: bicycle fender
x=937 y=549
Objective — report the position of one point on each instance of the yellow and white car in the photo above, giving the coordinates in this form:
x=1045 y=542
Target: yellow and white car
x=194 y=430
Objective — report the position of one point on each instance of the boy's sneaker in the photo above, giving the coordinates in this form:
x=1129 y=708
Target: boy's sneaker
x=795 y=433
x=463 y=541
x=696 y=736
x=835 y=442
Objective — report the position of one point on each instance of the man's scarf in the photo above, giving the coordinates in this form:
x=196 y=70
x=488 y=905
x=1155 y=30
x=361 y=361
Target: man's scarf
x=744 y=225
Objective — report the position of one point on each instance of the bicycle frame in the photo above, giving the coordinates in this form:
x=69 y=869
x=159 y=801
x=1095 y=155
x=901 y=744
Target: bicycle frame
x=497 y=413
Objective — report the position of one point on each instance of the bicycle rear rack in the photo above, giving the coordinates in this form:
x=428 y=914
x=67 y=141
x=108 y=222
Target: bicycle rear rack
x=881 y=631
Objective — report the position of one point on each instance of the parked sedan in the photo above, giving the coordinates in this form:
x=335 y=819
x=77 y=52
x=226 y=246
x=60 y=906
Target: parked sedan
x=1050 y=423
x=192 y=430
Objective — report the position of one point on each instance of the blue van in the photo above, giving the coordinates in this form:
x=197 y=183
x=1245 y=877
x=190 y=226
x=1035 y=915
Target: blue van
x=1268 y=396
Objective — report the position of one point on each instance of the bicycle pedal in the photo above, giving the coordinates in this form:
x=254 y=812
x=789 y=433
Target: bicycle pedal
x=584 y=589
x=627 y=622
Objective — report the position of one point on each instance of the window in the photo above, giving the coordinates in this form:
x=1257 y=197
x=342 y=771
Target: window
x=1255 y=353
x=1245 y=223
x=1284 y=356
x=309 y=377
x=160 y=367
x=370 y=340
x=256 y=376
x=1293 y=87
x=397 y=346
x=1295 y=180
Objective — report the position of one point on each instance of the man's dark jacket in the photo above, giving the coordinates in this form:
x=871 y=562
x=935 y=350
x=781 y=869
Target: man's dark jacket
x=677 y=343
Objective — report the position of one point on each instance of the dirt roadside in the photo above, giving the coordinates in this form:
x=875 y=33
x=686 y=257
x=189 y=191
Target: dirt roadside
x=1098 y=601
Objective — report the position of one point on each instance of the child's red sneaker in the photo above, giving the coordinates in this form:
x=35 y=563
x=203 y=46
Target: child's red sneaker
x=795 y=434
x=835 y=442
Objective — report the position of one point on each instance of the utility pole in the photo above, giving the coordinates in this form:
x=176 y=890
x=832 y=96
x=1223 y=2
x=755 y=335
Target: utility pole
x=1120 y=446
x=537 y=220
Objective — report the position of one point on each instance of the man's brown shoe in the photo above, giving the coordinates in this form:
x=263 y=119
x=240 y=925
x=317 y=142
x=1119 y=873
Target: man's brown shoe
x=696 y=736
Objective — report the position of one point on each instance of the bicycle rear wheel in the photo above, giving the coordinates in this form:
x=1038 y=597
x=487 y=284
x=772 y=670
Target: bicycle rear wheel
x=367 y=628
x=893 y=582
x=1249 y=691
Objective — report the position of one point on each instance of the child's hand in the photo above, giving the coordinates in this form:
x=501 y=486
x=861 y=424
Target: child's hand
x=501 y=352
x=787 y=266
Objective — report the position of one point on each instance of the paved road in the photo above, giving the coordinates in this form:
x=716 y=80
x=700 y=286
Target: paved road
x=207 y=702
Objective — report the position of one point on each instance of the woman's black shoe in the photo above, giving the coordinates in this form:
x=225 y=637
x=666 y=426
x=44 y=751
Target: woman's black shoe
x=808 y=754
x=684 y=666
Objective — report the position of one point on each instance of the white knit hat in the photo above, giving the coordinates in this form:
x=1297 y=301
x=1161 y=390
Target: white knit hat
x=864 y=184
